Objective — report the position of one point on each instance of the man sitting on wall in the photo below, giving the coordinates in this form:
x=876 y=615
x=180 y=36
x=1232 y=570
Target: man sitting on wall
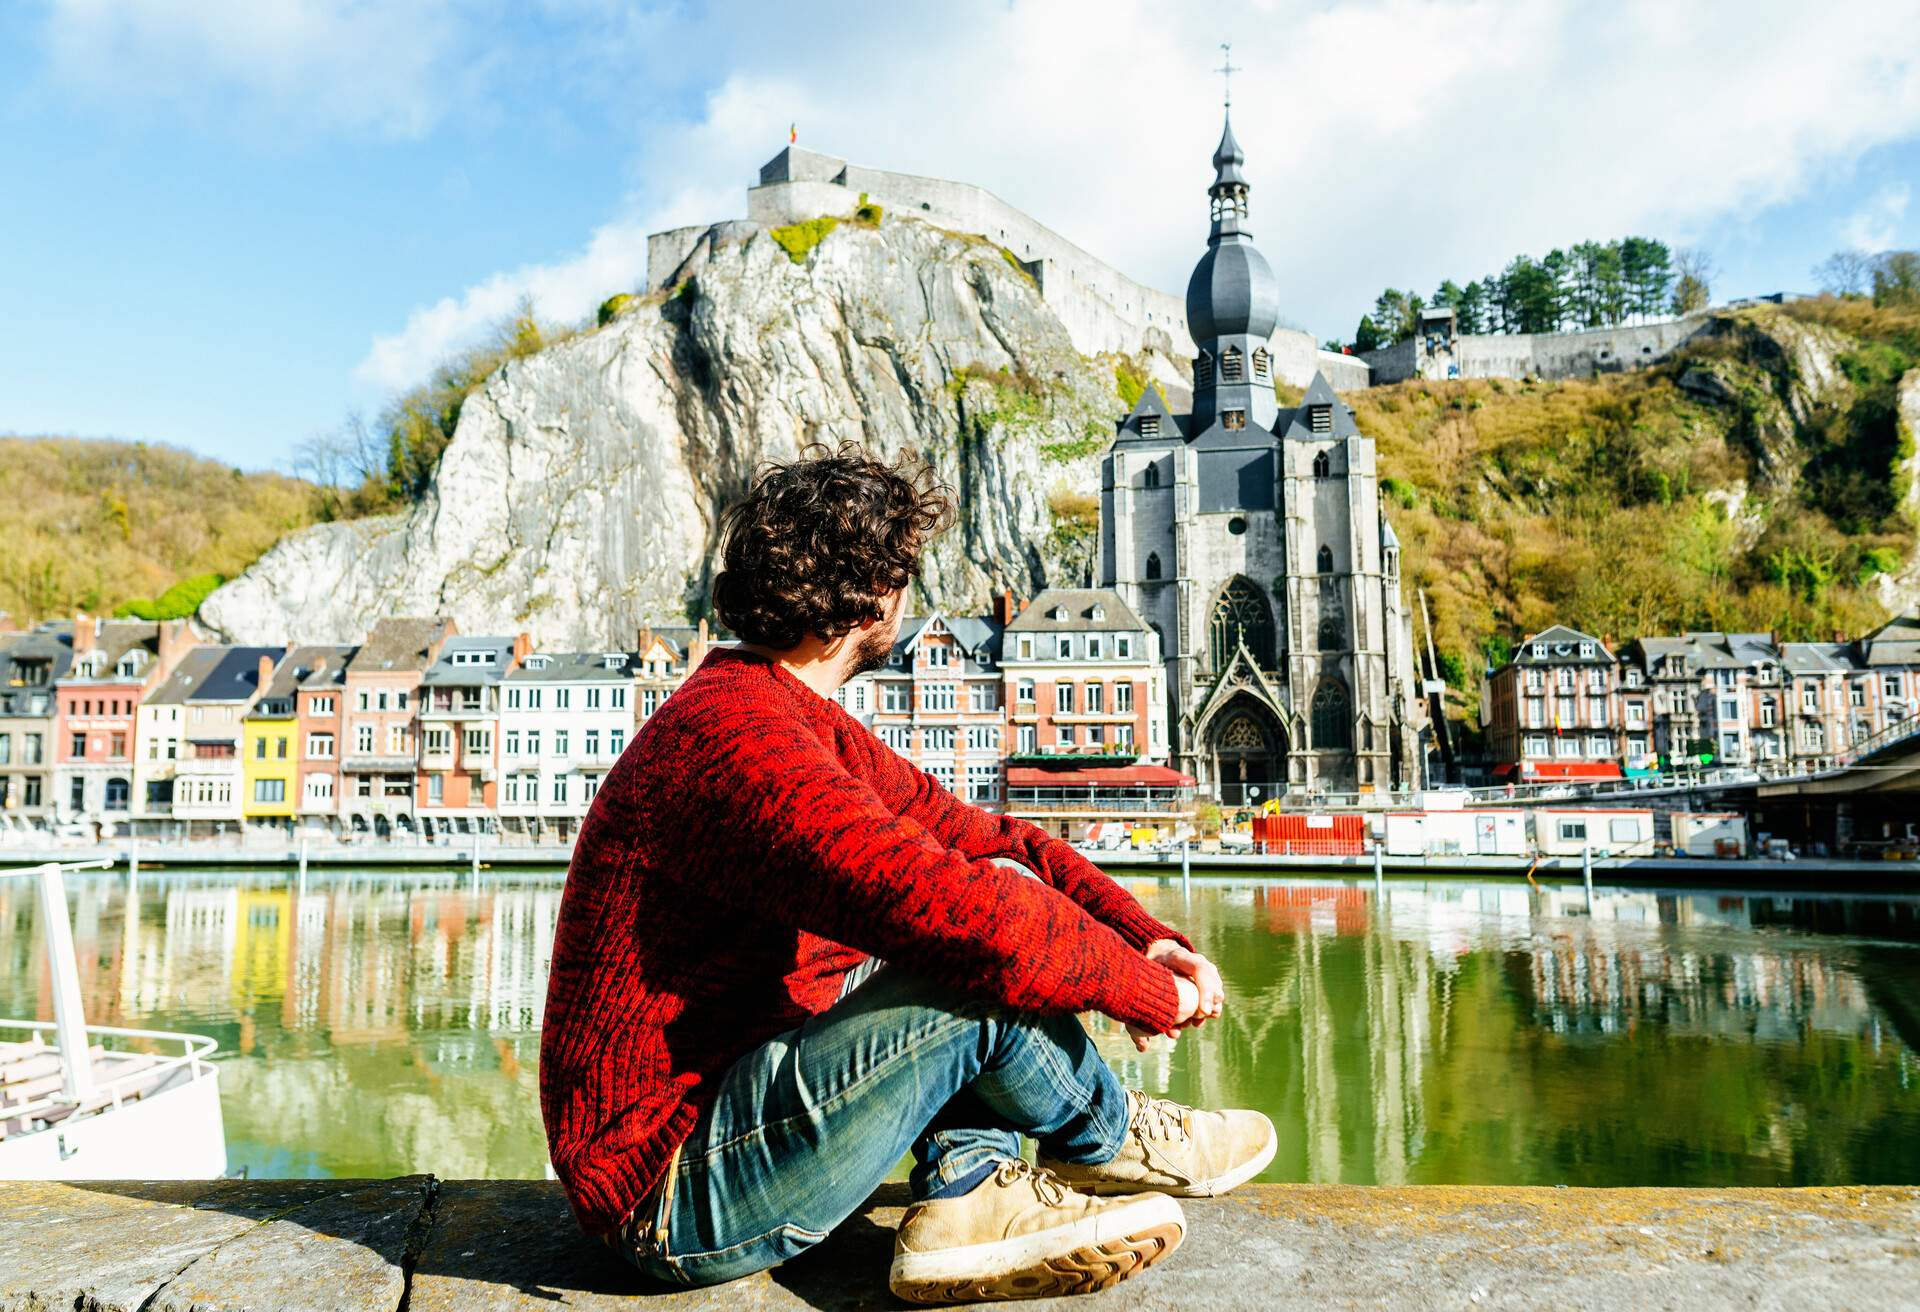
x=718 y=1095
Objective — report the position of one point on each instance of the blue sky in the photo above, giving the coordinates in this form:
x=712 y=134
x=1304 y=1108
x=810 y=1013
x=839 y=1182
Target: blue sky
x=227 y=224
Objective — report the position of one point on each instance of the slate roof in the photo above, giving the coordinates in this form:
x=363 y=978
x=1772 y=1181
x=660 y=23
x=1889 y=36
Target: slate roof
x=401 y=643
x=1151 y=402
x=1563 y=648
x=1897 y=642
x=49 y=643
x=185 y=681
x=114 y=639
x=302 y=667
x=332 y=673
x=1078 y=603
x=1816 y=657
x=446 y=673
x=573 y=667
x=1297 y=423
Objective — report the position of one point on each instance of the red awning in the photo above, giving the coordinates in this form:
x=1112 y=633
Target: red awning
x=1572 y=770
x=1113 y=776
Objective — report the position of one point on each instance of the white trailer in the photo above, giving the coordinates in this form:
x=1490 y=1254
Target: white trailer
x=1456 y=833
x=1710 y=833
x=1569 y=831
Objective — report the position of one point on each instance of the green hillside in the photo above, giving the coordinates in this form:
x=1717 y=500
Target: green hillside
x=100 y=525
x=1754 y=482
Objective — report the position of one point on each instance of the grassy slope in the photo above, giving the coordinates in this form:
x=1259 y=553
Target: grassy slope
x=92 y=523
x=1588 y=503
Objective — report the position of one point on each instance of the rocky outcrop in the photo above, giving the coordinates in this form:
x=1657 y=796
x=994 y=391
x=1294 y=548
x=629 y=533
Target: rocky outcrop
x=1899 y=592
x=578 y=497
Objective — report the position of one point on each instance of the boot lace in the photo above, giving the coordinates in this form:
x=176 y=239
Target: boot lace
x=1160 y=1118
x=1050 y=1187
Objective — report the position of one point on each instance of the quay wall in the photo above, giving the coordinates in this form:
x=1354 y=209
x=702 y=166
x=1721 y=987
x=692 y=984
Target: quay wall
x=511 y=1246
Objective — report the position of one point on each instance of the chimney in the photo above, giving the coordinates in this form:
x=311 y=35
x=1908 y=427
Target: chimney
x=174 y=642
x=266 y=672
x=85 y=630
x=1003 y=608
x=522 y=644
x=645 y=639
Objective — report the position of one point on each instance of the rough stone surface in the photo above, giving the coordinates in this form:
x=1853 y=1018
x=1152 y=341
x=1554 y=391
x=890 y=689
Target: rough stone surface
x=498 y=1245
x=340 y=1253
x=1900 y=591
x=578 y=496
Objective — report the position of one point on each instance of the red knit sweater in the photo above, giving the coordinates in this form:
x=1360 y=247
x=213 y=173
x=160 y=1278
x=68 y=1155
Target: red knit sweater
x=752 y=845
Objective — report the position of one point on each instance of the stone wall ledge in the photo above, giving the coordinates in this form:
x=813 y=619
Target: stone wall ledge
x=479 y=1245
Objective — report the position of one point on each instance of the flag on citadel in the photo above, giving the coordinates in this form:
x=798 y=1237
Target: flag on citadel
x=793 y=133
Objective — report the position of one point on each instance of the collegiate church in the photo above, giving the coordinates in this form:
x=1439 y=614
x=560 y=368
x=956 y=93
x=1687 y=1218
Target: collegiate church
x=1251 y=539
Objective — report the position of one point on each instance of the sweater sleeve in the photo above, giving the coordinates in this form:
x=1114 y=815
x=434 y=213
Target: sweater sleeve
x=775 y=799
x=979 y=834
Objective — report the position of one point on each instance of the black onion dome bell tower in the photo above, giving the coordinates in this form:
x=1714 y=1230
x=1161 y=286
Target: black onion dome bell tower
x=1233 y=305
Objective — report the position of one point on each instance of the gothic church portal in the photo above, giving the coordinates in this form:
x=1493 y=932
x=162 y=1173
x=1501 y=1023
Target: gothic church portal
x=1251 y=539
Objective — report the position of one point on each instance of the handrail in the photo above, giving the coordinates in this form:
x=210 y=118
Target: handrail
x=194 y=1054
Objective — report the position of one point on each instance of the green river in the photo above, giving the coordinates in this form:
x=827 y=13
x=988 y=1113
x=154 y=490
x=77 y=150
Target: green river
x=1461 y=1031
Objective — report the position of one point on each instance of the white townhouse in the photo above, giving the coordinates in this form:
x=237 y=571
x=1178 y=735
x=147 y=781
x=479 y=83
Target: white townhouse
x=566 y=719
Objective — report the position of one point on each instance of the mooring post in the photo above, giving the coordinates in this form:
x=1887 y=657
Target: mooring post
x=1379 y=873
x=1186 y=871
x=475 y=866
x=1586 y=870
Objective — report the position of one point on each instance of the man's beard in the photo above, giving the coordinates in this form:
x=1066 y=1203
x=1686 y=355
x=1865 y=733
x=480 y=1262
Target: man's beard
x=874 y=649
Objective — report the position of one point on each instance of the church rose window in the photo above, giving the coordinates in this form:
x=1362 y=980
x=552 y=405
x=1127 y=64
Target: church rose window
x=1322 y=467
x=1241 y=615
x=1332 y=725
x=1237 y=525
x=1242 y=734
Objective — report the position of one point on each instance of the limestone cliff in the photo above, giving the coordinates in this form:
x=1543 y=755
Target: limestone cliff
x=577 y=499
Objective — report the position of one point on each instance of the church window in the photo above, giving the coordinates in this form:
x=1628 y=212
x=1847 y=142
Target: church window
x=1333 y=633
x=1153 y=564
x=1237 y=525
x=1241 y=616
x=1322 y=466
x=1149 y=425
x=1152 y=477
x=1326 y=559
x=1332 y=725
x=1233 y=419
x=1393 y=563
x=1320 y=418
x=1262 y=365
x=1203 y=370
x=1232 y=365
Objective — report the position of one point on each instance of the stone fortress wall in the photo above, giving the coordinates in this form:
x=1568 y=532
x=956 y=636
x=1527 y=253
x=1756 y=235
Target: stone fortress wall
x=1533 y=355
x=1101 y=308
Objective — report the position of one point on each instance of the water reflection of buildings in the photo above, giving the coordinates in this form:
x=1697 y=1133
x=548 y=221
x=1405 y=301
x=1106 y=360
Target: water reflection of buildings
x=1373 y=1032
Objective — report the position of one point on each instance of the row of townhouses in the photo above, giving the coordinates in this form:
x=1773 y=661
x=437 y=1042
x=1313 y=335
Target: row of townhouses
x=1572 y=706
x=1053 y=709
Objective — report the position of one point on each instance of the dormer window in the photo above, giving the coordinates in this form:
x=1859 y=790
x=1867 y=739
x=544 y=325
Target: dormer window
x=1322 y=466
x=1099 y=612
x=1232 y=365
x=612 y=660
x=1057 y=613
x=1234 y=419
x=1203 y=370
x=1320 y=418
x=1262 y=365
x=129 y=666
x=1586 y=649
x=539 y=662
x=1149 y=426
x=1539 y=651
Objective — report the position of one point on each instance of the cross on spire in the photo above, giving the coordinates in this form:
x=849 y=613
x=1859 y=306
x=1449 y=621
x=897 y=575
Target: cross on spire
x=1226 y=72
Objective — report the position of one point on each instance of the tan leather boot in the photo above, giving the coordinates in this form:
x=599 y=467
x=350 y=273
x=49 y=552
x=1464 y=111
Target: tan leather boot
x=1177 y=1150
x=1021 y=1233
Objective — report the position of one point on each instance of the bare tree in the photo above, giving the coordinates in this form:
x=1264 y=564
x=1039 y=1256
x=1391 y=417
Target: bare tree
x=1845 y=273
x=1693 y=289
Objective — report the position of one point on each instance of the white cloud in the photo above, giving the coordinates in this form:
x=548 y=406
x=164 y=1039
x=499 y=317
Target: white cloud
x=1389 y=142
x=267 y=66
x=1876 y=226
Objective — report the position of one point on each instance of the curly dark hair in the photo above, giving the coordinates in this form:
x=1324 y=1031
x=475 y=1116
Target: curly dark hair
x=819 y=540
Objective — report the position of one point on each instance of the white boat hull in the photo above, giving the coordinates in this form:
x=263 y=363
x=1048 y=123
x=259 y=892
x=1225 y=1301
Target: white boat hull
x=173 y=1134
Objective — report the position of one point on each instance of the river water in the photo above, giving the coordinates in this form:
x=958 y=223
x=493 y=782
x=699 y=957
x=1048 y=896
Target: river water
x=1458 y=1032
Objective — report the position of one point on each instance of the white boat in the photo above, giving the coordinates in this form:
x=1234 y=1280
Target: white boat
x=96 y=1102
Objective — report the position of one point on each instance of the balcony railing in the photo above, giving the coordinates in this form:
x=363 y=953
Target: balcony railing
x=366 y=764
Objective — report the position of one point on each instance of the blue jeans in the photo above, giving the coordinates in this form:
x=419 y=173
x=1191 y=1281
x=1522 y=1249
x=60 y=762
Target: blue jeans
x=805 y=1127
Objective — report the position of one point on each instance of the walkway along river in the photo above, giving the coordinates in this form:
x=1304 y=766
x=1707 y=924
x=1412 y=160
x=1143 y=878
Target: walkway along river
x=375 y=1022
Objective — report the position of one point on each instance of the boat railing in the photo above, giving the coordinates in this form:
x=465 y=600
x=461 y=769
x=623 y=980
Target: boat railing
x=114 y=1089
